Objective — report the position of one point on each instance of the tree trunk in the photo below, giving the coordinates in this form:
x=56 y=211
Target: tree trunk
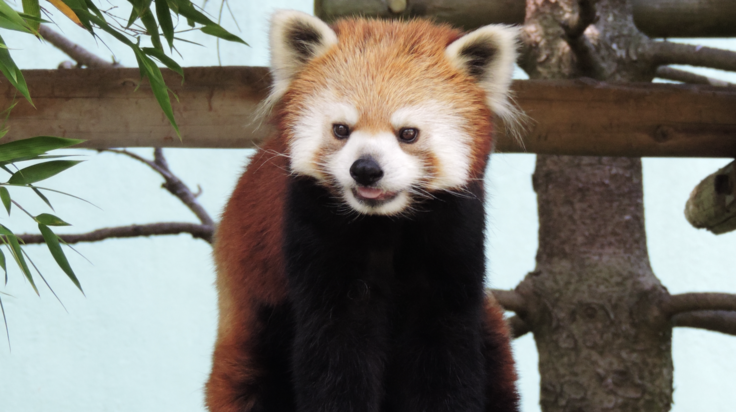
x=593 y=300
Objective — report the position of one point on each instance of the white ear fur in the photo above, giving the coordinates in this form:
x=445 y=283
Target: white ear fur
x=489 y=54
x=295 y=38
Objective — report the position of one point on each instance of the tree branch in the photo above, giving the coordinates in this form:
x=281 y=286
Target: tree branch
x=668 y=73
x=723 y=321
x=587 y=58
x=171 y=182
x=510 y=300
x=517 y=327
x=197 y=231
x=73 y=50
x=664 y=53
x=688 y=302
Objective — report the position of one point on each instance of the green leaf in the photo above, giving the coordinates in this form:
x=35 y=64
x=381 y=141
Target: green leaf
x=13 y=16
x=103 y=25
x=187 y=9
x=32 y=147
x=32 y=8
x=12 y=72
x=5 y=196
x=52 y=241
x=6 y=23
x=218 y=31
x=42 y=196
x=163 y=58
x=164 y=20
x=156 y=79
x=18 y=254
x=152 y=28
x=41 y=171
x=50 y=220
x=94 y=9
x=2 y=265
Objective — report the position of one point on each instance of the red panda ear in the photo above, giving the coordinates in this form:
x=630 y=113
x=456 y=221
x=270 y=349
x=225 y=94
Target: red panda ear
x=488 y=54
x=295 y=39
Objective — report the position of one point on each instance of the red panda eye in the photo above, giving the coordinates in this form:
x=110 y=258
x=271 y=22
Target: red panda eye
x=340 y=131
x=408 y=134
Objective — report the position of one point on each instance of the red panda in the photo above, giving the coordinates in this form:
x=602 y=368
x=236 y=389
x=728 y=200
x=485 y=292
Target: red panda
x=350 y=257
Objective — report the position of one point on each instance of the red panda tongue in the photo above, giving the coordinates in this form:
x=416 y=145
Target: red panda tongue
x=369 y=192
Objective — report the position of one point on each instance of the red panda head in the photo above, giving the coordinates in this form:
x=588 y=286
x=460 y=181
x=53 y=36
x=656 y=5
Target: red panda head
x=386 y=113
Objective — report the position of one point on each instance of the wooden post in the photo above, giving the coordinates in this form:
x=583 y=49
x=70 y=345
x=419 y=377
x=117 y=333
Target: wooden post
x=656 y=18
x=712 y=204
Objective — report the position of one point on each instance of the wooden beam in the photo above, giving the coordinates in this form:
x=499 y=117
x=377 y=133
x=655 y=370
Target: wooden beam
x=686 y=18
x=217 y=109
x=656 y=18
x=712 y=204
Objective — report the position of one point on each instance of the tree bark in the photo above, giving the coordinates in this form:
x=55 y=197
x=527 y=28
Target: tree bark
x=593 y=300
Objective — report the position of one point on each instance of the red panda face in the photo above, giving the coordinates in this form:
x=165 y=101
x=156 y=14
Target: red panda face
x=387 y=113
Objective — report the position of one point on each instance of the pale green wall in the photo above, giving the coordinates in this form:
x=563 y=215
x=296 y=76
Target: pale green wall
x=141 y=339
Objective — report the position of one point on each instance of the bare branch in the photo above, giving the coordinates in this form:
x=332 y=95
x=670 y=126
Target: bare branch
x=517 y=327
x=688 y=302
x=510 y=300
x=171 y=183
x=668 y=73
x=73 y=50
x=204 y=232
x=587 y=58
x=723 y=321
x=663 y=53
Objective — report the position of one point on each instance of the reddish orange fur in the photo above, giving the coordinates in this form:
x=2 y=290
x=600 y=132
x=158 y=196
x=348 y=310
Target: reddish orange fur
x=248 y=241
x=419 y=71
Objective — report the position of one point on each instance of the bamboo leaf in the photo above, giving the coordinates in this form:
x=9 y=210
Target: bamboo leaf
x=32 y=147
x=102 y=24
x=32 y=8
x=2 y=265
x=12 y=72
x=156 y=79
x=187 y=9
x=218 y=31
x=14 y=17
x=164 y=20
x=42 y=196
x=18 y=255
x=5 y=196
x=163 y=58
x=152 y=28
x=52 y=241
x=94 y=9
x=41 y=171
x=6 y=23
x=66 y=10
x=50 y=220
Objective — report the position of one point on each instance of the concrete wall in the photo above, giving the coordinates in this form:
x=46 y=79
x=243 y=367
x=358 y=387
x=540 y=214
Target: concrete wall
x=142 y=337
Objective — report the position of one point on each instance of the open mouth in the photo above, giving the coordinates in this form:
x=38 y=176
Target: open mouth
x=372 y=195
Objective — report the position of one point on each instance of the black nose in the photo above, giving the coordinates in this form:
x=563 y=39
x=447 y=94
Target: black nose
x=366 y=171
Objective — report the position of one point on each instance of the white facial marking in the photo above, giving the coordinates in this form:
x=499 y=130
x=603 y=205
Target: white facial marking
x=313 y=152
x=314 y=129
x=440 y=133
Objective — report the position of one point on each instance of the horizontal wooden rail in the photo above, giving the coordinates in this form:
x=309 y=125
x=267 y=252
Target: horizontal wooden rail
x=656 y=18
x=217 y=107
